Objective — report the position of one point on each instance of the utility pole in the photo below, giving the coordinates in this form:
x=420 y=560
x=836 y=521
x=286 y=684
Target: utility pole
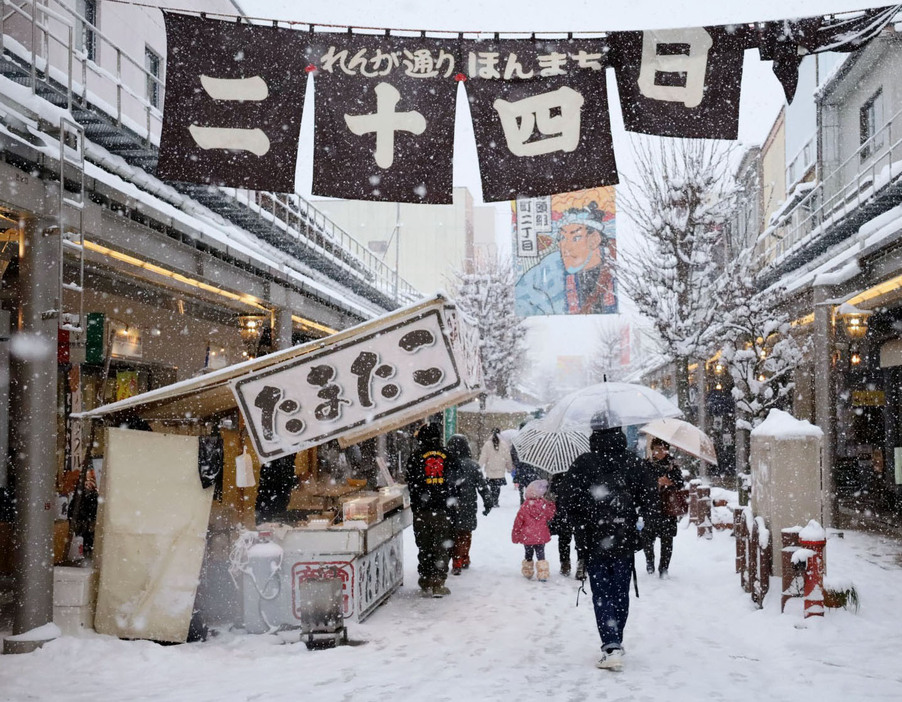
x=33 y=400
x=397 y=235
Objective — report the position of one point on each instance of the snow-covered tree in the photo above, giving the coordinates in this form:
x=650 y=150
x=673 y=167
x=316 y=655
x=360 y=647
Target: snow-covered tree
x=759 y=350
x=679 y=201
x=604 y=363
x=487 y=295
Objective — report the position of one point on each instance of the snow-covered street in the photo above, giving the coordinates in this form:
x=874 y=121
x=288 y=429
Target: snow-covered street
x=501 y=637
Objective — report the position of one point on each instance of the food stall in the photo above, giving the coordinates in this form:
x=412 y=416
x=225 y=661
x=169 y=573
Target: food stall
x=165 y=547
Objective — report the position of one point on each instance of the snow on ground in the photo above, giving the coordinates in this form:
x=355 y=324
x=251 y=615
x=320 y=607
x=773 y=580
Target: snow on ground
x=498 y=636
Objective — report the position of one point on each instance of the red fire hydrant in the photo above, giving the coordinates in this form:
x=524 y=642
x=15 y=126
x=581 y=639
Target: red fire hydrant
x=814 y=540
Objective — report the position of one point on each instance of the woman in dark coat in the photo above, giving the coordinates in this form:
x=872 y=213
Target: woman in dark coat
x=468 y=480
x=663 y=526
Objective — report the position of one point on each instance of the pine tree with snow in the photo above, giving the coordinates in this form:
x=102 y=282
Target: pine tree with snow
x=487 y=296
x=679 y=202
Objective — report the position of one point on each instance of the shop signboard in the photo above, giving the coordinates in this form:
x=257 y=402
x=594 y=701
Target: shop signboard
x=385 y=376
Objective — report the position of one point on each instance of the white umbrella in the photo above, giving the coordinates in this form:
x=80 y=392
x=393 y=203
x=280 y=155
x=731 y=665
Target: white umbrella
x=553 y=452
x=683 y=435
x=607 y=405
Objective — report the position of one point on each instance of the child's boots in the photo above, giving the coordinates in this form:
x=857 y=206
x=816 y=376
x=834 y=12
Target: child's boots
x=543 y=571
x=527 y=569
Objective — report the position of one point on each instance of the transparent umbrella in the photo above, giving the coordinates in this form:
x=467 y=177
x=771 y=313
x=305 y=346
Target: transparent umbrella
x=607 y=405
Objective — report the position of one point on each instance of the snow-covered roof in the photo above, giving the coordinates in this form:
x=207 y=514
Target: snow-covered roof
x=498 y=405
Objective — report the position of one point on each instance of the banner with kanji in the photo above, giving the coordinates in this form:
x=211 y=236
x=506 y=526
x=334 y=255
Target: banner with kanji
x=565 y=253
x=384 y=118
x=386 y=103
x=540 y=116
x=233 y=103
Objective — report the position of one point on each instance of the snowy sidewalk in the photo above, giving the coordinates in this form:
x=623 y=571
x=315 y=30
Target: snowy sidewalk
x=500 y=637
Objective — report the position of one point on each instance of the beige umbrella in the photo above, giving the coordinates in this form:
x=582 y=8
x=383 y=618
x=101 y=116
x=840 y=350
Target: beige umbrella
x=683 y=435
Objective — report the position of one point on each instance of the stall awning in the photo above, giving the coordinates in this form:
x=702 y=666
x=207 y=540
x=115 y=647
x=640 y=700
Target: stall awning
x=358 y=383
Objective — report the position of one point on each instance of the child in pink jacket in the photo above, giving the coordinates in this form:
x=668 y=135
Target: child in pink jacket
x=531 y=528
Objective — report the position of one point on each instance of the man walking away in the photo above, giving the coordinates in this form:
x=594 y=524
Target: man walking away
x=604 y=490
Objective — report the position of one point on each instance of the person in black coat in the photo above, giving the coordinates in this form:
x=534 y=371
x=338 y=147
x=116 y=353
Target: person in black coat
x=604 y=492
x=277 y=480
x=560 y=524
x=468 y=481
x=433 y=500
x=662 y=526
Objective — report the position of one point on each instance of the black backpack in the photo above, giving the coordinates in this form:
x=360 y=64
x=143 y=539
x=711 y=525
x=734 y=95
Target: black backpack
x=599 y=502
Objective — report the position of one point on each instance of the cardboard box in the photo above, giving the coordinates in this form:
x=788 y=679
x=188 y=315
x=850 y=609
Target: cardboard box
x=73 y=620
x=74 y=587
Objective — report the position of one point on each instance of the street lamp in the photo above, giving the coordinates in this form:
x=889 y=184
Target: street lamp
x=250 y=326
x=854 y=320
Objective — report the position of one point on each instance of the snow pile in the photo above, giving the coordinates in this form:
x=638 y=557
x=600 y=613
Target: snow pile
x=782 y=425
x=498 y=636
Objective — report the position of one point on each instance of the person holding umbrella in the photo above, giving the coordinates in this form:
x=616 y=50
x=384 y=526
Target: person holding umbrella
x=605 y=490
x=663 y=524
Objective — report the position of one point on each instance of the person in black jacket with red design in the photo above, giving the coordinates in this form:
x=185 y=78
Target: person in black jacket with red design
x=430 y=475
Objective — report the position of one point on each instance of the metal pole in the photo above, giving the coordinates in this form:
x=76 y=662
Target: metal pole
x=33 y=399
x=4 y=397
x=824 y=399
x=397 y=244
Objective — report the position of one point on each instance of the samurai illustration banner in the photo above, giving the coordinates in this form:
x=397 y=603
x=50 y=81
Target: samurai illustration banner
x=233 y=103
x=540 y=116
x=565 y=252
x=385 y=118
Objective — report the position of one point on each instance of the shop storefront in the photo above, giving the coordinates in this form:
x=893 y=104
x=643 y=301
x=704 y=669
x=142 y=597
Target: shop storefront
x=331 y=415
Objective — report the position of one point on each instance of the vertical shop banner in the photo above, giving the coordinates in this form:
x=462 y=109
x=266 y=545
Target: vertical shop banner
x=234 y=98
x=681 y=82
x=540 y=116
x=385 y=118
x=572 y=270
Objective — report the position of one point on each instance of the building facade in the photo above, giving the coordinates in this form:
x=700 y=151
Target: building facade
x=834 y=244
x=429 y=242
x=115 y=282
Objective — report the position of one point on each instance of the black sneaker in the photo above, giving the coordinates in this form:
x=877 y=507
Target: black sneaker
x=455 y=571
x=650 y=568
x=664 y=575
x=565 y=568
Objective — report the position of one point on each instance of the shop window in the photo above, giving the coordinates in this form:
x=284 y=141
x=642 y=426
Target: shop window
x=870 y=123
x=153 y=64
x=85 y=28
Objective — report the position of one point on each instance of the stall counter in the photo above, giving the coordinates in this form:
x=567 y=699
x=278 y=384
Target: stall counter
x=367 y=558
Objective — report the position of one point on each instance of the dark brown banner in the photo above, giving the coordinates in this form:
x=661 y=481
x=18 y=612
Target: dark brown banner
x=234 y=98
x=384 y=118
x=681 y=82
x=540 y=116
